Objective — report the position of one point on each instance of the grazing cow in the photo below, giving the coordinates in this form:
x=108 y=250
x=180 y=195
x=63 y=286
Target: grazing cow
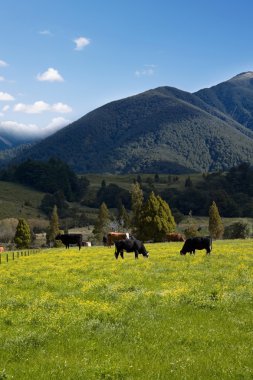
x=175 y=236
x=130 y=245
x=194 y=243
x=114 y=236
x=68 y=239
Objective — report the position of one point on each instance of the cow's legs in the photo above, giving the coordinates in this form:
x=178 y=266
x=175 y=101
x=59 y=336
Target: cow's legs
x=116 y=254
x=136 y=254
x=122 y=254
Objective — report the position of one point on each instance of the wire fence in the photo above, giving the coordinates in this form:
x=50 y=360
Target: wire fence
x=5 y=257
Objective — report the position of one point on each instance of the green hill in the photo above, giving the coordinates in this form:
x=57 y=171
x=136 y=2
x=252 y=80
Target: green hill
x=19 y=201
x=161 y=130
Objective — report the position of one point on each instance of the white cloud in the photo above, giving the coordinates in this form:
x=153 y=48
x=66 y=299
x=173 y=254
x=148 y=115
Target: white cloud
x=148 y=71
x=81 y=42
x=41 y=106
x=36 y=107
x=18 y=129
x=61 y=108
x=45 y=32
x=32 y=131
x=4 y=96
x=5 y=108
x=57 y=123
x=1 y=79
x=3 y=63
x=50 y=75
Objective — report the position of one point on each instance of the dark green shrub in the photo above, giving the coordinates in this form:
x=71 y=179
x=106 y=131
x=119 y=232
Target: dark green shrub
x=237 y=230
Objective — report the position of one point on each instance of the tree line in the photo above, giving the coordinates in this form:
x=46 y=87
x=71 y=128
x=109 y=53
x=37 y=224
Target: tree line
x=231 y=191
x=146 y=206
x=151 y=219
x=52 y=176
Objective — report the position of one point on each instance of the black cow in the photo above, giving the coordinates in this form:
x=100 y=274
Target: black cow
x=68 y=239
x=192 y=244
x=130 y=245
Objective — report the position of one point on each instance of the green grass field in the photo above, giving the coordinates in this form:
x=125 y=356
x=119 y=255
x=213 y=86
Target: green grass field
x=19 y=201
x=84 y=315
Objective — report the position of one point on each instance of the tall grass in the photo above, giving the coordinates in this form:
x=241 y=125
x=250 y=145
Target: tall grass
x=84 y=315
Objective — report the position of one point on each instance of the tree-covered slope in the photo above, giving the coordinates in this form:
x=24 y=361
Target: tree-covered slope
x=233 y=97
x=162 y=130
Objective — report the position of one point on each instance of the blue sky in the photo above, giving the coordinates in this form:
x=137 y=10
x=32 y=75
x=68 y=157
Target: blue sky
x=60 y=60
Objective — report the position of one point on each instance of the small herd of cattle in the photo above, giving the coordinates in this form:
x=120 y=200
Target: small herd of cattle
x=124 y=242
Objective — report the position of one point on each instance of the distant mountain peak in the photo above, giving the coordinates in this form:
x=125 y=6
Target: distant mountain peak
x=243 y=76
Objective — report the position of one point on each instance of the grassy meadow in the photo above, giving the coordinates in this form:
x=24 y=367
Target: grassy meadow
x=19 y=201
x=84 y=315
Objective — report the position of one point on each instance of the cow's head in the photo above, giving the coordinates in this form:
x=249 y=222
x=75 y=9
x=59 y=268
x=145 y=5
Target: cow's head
x=145 y=254
x=184 y=249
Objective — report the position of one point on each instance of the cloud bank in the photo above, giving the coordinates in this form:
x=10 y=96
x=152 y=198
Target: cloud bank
x=26 y=132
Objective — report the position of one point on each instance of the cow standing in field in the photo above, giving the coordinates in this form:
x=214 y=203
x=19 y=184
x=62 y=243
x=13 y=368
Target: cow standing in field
x=192 y=244
x=68 y=239
x=175 y=236
x=130 y=245
x=115 y=236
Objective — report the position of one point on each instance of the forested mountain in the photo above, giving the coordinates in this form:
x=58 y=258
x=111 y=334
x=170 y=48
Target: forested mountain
x=233 y=97
x=160 y=130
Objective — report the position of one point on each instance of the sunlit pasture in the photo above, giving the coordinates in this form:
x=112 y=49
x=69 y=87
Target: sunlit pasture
x=84 y=315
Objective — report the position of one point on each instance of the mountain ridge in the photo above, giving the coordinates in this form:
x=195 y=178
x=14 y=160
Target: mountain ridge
x=160 y=130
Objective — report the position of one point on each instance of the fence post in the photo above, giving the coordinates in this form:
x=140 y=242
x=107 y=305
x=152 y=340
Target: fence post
x=0 y=258
x=7 y=257
x=13 y=256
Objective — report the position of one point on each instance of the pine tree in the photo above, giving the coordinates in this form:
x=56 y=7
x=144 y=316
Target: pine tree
x=123 y=217
x=216 y=227
x=23 y=234
x=156 y=219
x=102 y=224
x=53 y=229
x=136 y=205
